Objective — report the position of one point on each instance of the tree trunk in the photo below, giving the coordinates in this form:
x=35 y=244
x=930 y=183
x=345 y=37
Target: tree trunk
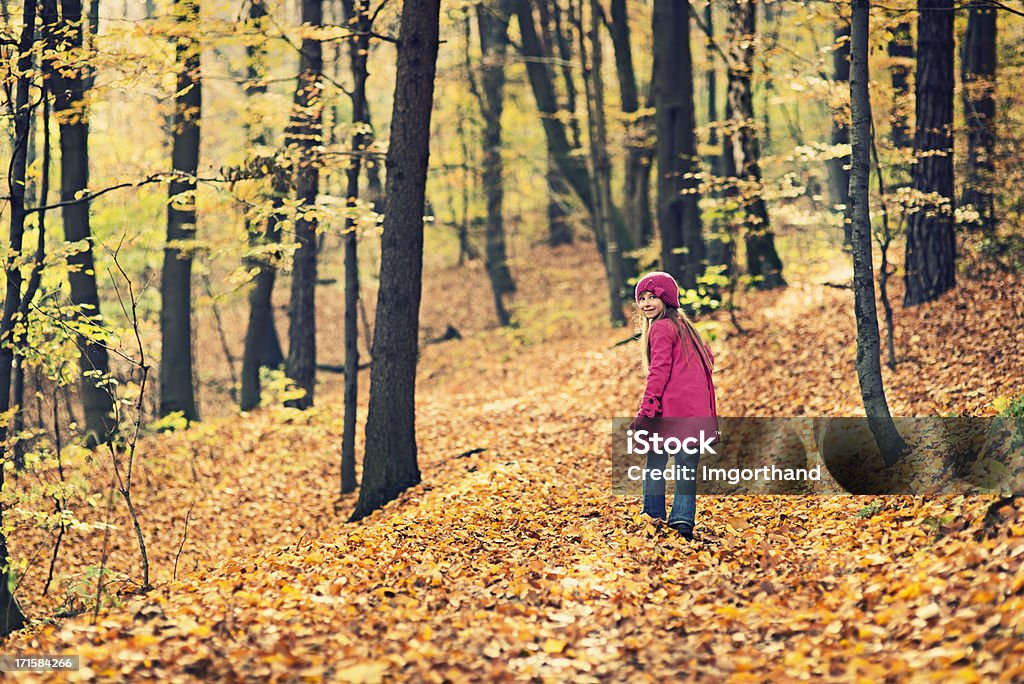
x=711 y=81
x=559 y=228
x=359 y=49
x=619 y=30
x=774 y=17
x=869 y=368
x=21 y=332
x=304 y=135
x=559 y=192
x=554 y=38
x=719 y=244
x=468 y=168
x=563 y=42
x=572 y=165
x=978 y=75
x=69 y=88
x=262 y=347
x=11 y=616
x=374 y=187
x=176 y=391
x=901 y=51
x=602 y=168
x=93 y=26
x=492 y=22
x=636 y=175
x=839 y=167
x=763 y=261
x=389 y=465
x=723 y=249
x=930 y=264
x=682 y=239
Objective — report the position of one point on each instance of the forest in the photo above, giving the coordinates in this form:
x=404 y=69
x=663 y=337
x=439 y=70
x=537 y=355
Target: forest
x=322 y=322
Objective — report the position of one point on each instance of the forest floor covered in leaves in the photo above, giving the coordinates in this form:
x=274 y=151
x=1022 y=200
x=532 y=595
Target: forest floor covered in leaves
x=516 y=561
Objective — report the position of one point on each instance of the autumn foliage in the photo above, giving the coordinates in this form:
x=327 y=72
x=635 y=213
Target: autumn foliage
x=516 y=561
x=190 y=540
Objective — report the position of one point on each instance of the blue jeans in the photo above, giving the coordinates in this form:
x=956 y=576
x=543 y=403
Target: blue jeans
x=684 y=505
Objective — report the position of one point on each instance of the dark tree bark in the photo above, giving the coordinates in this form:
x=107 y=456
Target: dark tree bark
x=492 y=23
x=839 y=167
x=901 y=50
x=559 y=196
x=636 y=172
x=978 y=75
x=555 y=42
x=355 y=14
x=17 y=184
x=176 y=390
x=869 y=368
x=11 y=616
x=763 y=261
x=262 y=347
x=468 y=168
x=711 y=81
x=774 y=19
x=719 y=244
x=561 y=39
x=374 y=186
x=21 y=333
x=93 y=26
x=572 y=165
x=930 y=264
x=389 y=465
x=601 y=164
x=304 y=135
x=682 y=239
x=730 y=172
x=69 y=86
x=618 y=28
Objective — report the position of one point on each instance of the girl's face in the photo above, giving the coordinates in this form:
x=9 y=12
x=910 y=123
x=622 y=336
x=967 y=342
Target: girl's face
x=650 y=305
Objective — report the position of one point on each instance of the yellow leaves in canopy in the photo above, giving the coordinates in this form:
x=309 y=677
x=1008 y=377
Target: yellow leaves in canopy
x=323 y=33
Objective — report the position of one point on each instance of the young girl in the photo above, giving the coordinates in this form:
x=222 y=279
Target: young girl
x=678 y=366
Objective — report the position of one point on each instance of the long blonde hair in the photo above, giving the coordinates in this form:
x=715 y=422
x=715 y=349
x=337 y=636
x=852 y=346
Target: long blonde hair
x=684 y=328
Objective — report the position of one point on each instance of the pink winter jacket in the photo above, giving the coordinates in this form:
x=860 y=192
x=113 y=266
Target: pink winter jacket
x=677 y=384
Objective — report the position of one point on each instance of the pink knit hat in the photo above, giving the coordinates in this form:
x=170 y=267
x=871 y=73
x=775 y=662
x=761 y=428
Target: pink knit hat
x=662 y=285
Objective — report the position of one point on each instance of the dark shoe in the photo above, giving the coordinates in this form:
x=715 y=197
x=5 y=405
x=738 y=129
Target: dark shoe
x=684 y=530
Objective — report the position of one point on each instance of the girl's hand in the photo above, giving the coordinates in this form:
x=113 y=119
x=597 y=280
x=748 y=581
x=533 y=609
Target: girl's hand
x=642 y=422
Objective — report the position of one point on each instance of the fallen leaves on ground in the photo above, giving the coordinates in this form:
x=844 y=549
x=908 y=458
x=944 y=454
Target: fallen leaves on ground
x=517 y=562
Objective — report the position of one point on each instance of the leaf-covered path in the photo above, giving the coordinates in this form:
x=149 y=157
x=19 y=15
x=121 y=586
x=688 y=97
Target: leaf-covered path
x=517 y=561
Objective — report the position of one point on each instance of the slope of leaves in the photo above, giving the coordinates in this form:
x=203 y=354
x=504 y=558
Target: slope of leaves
x=517 y=562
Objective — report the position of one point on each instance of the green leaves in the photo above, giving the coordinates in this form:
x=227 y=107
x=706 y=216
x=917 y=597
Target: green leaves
x=175 y=420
